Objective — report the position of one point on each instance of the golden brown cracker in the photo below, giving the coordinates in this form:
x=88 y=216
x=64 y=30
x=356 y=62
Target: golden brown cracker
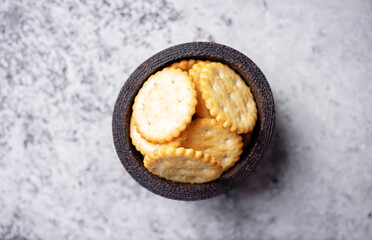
x=184 y=65
x=164 y=105
x=201 y=110
x=146 y=147
x=183 y=165
x=208 y=136
x=228 y=98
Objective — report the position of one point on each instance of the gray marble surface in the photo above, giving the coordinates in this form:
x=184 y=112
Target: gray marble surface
x=62 y=64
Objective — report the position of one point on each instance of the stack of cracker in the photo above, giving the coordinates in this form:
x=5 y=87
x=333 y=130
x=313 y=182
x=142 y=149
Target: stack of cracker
x=188 y=121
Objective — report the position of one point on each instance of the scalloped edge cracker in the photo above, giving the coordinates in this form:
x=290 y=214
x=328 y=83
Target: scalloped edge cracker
x=184 y=65
x=201 y=110
x=146 y=147
x=228 y=98
x=164 y=105
x=208 y=136
x=183 y=165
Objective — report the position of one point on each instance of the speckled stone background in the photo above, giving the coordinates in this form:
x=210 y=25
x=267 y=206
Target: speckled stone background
x=62 y=64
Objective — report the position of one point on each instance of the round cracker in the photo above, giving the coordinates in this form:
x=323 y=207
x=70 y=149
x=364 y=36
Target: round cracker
x=164 y=105
x=208 y=136
x=228 y=98
x=146 y=147
x=201 y=110
x=183 y=165
x=184 y=65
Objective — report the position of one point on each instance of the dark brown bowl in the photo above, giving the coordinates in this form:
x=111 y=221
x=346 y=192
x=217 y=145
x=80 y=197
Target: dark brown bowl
x=132 y=160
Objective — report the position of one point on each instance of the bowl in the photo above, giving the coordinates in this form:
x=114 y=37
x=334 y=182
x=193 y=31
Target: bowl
x=132 y=160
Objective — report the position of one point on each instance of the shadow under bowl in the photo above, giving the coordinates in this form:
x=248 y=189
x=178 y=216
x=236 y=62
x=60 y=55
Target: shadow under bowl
x=132 y=160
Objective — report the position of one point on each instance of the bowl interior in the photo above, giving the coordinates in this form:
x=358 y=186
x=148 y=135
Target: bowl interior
x=132 y=160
